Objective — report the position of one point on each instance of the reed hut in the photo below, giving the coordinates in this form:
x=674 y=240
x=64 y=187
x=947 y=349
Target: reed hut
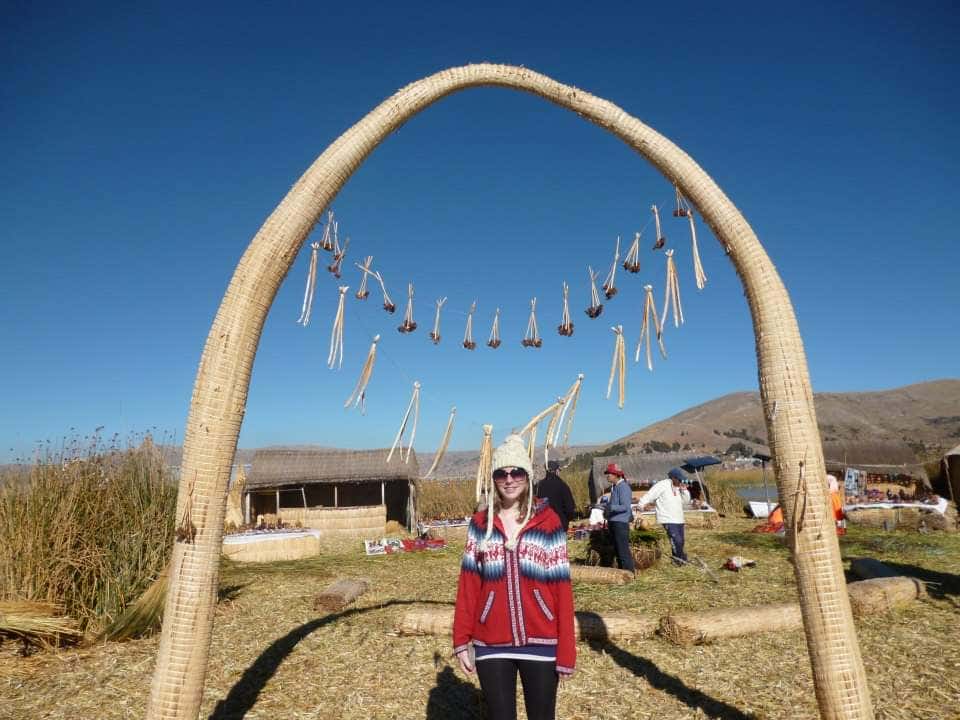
x=339 y=492
x=879 y=464
x=642 y=470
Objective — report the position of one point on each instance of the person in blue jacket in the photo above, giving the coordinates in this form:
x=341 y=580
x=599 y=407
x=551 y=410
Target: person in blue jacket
x=619 y=514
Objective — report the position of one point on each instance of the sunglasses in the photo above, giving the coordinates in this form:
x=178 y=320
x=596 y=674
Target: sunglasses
x=515 y=474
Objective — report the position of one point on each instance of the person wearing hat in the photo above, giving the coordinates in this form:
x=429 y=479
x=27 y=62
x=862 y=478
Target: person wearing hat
x=514 y=608
x=619 y=514
x=556 y=492
x=669 y=496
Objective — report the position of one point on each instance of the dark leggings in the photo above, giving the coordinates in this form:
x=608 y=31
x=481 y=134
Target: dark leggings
x=498 y=680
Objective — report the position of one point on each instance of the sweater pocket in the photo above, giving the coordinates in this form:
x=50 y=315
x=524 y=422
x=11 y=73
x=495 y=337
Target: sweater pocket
x=543 y=604
x=487 y=606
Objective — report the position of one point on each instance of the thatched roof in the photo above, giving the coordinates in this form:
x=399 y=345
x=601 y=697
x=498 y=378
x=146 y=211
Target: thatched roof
x=873 y=456
x=641 y=468
x=273 y=467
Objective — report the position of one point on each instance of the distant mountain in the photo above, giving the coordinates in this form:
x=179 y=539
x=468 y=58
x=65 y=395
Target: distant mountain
x=925 y=415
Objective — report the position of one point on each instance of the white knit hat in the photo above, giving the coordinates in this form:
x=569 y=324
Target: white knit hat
x=512 y=453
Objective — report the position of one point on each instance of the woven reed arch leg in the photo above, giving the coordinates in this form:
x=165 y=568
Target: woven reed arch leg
x=220 y=392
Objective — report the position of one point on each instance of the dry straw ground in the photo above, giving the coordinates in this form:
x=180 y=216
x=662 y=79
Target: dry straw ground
x=273 y=656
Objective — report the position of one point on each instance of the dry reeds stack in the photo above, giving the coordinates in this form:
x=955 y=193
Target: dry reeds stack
x=326 y=241
x=37 y=623
x=413 y=407
x=596 y=307
x=340 y=593
x=649 y=312
x=532 y=336
x=444 y=442
x=632 y=262
x=408 y=325
x=704 y=626
x=304 y=318
x=339 y=253
x=494 y=340
x=600 y=575
x=869 y=597
x=565 y=327
x=468 y=342
x=609 y=625
x=485 y=467
x=701 y=519
x=619 y=365
x=336 y=333
x=661 y=240
x=610 y=284
x=143 y=615
x=672 y=293
x=362 y=293
x=699 y=275
x=435 y=333
x=234 y=514
x=359 y=395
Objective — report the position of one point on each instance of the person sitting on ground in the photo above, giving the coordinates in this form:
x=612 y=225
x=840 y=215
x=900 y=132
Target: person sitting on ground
x=669 y=496
x=555 y=491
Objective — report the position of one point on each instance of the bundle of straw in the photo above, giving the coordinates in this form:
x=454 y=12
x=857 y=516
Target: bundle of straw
x=37 y=623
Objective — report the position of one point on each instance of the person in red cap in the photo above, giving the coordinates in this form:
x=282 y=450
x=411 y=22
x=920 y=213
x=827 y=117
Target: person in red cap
x=619 y=514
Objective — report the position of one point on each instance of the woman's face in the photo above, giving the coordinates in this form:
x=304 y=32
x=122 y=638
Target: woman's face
x=511 y=483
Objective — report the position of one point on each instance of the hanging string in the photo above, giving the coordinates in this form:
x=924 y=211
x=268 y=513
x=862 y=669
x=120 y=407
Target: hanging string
x=387 y=302
x=311 y=286
x=619 y=365
x=596 y=307
x=408 y=325
x=632 y=261
x=699 y=274
x=672 y=293
x=336 y=334
x=413 y=407
x=359 y=394
x=363 y=293
x=338 y=255
x=609 y=285
x=661 y=240
x=494 y=340
x=468 y=342
x=532 y=338
x=444 y=442
x=326 y=242
x=649 y=311
x=683 y=207
x=566 y=326
x=435 y=333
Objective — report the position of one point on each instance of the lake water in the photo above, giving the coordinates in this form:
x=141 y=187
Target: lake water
x=755 y=493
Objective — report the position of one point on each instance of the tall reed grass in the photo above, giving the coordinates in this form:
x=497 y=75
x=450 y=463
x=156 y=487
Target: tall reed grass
x=88 y=532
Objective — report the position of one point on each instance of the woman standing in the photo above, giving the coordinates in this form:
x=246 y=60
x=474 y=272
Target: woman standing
x=514 y=600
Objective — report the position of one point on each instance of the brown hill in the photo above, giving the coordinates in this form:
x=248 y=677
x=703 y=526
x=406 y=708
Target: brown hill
x=925 y=415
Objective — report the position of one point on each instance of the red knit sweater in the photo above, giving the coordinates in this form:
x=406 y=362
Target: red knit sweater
x=511 y=598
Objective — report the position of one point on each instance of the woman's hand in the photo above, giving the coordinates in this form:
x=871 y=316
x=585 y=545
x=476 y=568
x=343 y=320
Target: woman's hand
x=464 y=657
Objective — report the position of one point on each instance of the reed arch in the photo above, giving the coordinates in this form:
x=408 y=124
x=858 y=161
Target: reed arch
x=223 y=378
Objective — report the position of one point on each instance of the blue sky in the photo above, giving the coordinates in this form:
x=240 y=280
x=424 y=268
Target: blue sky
x=143 y=148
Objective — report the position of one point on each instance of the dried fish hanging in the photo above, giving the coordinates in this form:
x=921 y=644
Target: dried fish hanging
x=326 y=242
x=650 y=311
x=683 y=207
x=494 y=340
x=444 y=442
x=609 y=285
x=310 y=288
x=570 y=399
x=565 y=327
x=672 y=292
x=359 y=395
x=632 y=261
x=619 y=365
x=661 y=240
x=532 y=338
x=387 y=302
x=596 y=307
x=408 y=325
x=336 y=334
x=468 y=342
x=413 y=407
x=339 y=253
x=435 y=333
x=699 y=274
x=363 y=293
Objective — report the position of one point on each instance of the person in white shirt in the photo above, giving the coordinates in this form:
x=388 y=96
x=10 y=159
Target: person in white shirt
x=669 y=496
